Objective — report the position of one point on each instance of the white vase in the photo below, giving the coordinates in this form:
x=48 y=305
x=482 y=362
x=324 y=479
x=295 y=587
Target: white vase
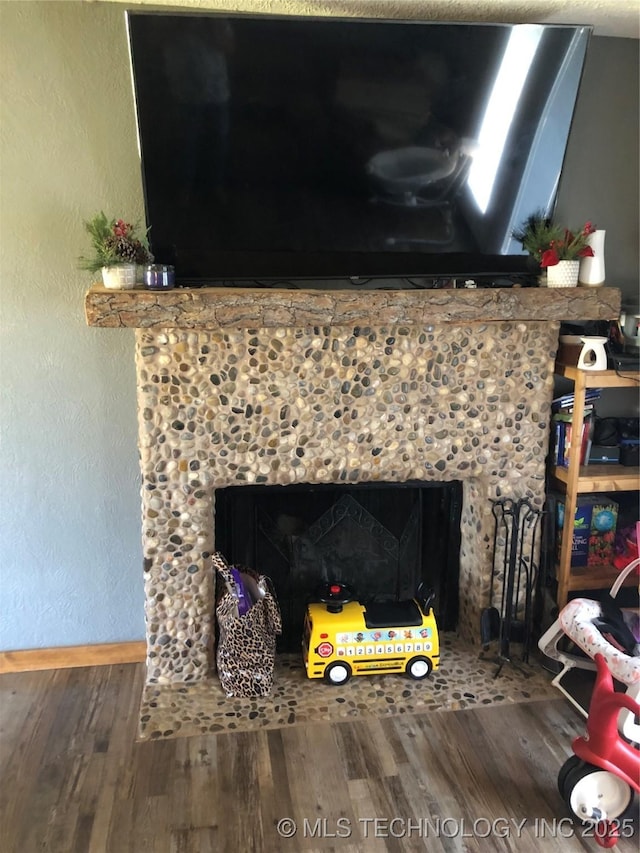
x=592 y=269
x=593 y=355
x=563 y=274
x=121 y=277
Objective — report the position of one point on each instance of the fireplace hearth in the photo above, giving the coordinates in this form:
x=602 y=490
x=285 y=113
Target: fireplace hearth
x=276 y=388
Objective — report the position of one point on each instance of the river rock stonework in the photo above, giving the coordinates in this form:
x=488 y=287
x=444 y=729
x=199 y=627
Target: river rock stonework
x=328 y=404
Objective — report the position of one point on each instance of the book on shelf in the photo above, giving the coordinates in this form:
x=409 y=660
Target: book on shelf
x=564 y=404
x=564 y=436
x=567 y=417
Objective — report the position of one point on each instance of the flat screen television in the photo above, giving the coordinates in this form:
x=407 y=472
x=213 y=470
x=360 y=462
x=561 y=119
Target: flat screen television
x=289 y=149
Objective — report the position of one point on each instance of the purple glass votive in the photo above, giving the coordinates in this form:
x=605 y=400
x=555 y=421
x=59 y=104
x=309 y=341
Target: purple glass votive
x=159 y=277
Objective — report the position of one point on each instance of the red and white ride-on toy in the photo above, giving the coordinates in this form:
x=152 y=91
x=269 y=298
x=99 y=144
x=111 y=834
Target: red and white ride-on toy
x=599 y=781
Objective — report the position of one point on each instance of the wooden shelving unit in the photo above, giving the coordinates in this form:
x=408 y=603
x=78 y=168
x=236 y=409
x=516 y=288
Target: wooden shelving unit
x=579 y=479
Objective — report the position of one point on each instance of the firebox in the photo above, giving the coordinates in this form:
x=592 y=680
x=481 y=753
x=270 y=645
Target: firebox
x=383 y=540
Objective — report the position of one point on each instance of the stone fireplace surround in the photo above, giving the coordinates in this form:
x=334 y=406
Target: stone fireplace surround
x=241 y=385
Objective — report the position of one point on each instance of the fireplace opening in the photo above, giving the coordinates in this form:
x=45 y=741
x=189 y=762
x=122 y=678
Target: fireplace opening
x=382 y=540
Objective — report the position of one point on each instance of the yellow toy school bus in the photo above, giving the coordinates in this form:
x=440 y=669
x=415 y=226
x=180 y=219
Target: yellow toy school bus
x=344 y=638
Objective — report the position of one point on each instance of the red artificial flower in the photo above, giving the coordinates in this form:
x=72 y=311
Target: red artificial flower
x=587 y=252
x=121 y=228
x=549 y=258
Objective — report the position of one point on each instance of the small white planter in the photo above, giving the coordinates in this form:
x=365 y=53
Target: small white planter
x=563 y=274
x=122 y=277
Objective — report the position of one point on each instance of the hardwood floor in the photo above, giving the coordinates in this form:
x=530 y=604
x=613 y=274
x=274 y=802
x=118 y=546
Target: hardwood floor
x=74 y=780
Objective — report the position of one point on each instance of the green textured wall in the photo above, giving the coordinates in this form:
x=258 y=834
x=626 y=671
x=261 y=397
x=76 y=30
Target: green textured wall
x=70 y=533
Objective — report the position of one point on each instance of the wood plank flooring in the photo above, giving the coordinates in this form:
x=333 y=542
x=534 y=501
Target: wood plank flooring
x=74 y=780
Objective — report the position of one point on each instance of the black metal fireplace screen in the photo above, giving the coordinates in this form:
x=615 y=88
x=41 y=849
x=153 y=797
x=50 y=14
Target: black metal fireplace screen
x=382 y=540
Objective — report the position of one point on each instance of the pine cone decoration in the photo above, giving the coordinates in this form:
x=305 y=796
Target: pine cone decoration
x=124 y=249
x=114 y=242
x=142 y=254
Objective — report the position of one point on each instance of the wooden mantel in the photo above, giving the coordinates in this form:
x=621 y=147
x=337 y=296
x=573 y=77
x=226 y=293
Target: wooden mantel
x=251 y=308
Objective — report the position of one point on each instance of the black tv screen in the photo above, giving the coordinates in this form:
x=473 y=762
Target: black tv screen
x=285 y=149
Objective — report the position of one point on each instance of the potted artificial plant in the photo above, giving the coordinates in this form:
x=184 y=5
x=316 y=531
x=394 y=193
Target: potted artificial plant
x=117 y=251
x=555 y=248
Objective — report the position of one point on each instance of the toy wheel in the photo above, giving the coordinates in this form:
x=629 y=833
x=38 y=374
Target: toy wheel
x=570 y=764
x=337 y=673
x=595 y=795
x=419 y=667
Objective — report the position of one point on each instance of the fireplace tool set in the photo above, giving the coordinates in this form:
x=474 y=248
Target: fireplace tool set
x=514 y=546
